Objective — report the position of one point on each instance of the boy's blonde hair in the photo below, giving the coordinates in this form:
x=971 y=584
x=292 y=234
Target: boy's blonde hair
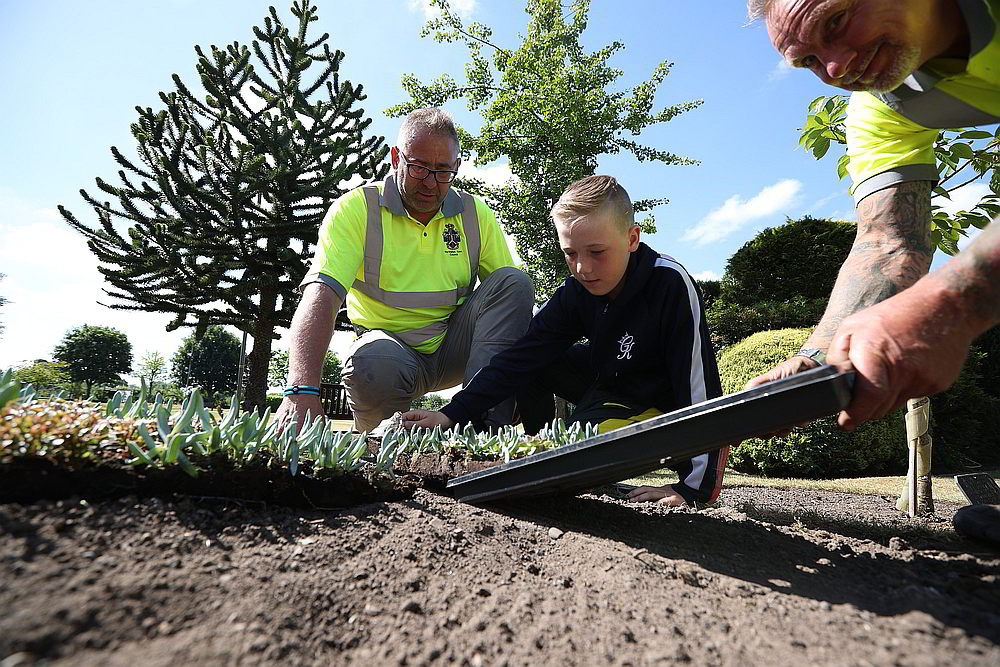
x=591 y=194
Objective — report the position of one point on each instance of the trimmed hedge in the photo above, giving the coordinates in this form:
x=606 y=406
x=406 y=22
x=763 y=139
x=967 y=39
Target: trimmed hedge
x=965 y=421
x=799 y=259
x=965 y=424
x=817 y=450
x=730 y=322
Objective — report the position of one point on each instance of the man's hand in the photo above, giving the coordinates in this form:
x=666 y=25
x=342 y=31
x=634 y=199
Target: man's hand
x=426 y=419
x=662 y=495
x=293 y=410
x=786 y=368
x=905 y=347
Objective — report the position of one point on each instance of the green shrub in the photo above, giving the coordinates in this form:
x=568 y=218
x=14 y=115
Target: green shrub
x=799 y=259
x=273 y=401
x=817 y=450
x=987 y=366
x=731 y=322
x=965 y=421
x=709 y=291
x=428 y=402
x=965 y=424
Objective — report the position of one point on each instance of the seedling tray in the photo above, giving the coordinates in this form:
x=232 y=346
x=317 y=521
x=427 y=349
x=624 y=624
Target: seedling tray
x=647 y=446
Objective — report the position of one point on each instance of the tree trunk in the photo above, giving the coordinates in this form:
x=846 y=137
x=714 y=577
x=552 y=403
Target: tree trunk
x=260 y=356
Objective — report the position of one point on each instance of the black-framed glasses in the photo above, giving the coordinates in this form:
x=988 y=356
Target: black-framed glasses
x=420 y=172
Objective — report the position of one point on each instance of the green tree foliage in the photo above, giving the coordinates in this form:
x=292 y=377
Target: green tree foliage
x=277 y=371
x=45 y=376
x=95 y=355
x=152 y=367
x=210 y=362
x=820 y=449
x=428 y=402
x=780 y=279
x=224 y=204
x=709 y=291
x=550 y=108
x=963 y=156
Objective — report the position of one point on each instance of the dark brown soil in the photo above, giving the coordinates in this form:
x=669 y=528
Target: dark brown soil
x=784 y=577
x=27 y=479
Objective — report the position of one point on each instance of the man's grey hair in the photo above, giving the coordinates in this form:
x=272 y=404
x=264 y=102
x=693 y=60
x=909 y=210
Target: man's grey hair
x=430 y=121
x=758 y=9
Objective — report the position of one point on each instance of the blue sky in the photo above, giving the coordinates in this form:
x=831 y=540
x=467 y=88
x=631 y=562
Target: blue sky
x=77 y=70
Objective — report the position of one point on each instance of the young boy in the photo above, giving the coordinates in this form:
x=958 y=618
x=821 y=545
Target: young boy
x=646 y=350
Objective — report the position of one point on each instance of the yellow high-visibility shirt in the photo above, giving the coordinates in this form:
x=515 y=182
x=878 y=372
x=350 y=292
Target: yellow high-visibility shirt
x=424 y=272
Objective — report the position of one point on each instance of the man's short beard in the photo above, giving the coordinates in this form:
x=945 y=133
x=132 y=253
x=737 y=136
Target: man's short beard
x=906 y=62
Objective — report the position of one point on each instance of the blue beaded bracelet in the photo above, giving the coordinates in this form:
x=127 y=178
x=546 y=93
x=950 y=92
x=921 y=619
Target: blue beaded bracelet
x=301 y=389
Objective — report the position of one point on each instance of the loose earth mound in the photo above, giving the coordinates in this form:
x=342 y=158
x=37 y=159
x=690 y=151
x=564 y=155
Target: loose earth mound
x=768 y=577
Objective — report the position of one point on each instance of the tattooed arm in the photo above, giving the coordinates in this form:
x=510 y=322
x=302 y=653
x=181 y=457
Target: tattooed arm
x=892 y=251
x=914 y=343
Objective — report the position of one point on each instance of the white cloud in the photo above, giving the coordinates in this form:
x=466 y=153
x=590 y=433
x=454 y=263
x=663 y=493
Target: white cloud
x=495 y=175
x=53 y=285
x=461 y=7
x=706 y=275
x=964 y=198
x=736 y=212
x=779 y=71
x=817 y=205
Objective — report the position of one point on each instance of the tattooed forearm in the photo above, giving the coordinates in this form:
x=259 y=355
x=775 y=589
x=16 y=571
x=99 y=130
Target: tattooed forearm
x=891 y=252
x=975 y=276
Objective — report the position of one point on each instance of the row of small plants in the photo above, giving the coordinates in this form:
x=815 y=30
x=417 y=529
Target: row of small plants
x=141 y=431
x=507 y=443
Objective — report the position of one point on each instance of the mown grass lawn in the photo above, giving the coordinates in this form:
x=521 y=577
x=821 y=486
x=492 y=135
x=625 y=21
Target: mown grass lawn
x=944 y=485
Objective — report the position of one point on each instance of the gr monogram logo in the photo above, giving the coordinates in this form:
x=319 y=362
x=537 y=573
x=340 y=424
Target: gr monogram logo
x=625 y=346
x=452 y=239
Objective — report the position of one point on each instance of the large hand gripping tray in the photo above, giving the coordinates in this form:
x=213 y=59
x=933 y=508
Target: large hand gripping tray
x=649 y=445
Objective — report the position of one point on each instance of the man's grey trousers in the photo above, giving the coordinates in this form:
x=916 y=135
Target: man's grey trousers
x=383 y=374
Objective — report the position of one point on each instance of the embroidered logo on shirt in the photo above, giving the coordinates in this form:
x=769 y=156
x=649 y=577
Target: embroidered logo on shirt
x=452 y=238
x=625 y=346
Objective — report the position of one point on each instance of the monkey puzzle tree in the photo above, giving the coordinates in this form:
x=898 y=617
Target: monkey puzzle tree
x=224 y=204
x=551 y=109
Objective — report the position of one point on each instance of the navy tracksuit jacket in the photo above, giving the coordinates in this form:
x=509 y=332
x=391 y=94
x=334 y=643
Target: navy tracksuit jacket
x=647 y=348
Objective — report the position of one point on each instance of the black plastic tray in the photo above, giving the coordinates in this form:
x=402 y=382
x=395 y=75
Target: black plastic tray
x=649 y=445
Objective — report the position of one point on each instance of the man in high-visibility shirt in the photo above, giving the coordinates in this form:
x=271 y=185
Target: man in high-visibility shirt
x=405 y=255
x=913 y=68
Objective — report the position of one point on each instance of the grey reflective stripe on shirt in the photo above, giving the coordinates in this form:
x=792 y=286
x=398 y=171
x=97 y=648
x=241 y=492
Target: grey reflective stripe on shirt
x=470 y=225
x=894 y=176
x=935 y=108
x=374 y=243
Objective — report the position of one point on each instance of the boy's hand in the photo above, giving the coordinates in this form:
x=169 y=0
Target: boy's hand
x=663 y=495
x=426 y=419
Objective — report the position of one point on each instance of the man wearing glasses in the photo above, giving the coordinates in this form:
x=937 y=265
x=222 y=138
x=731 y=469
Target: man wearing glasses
x=405 y=256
